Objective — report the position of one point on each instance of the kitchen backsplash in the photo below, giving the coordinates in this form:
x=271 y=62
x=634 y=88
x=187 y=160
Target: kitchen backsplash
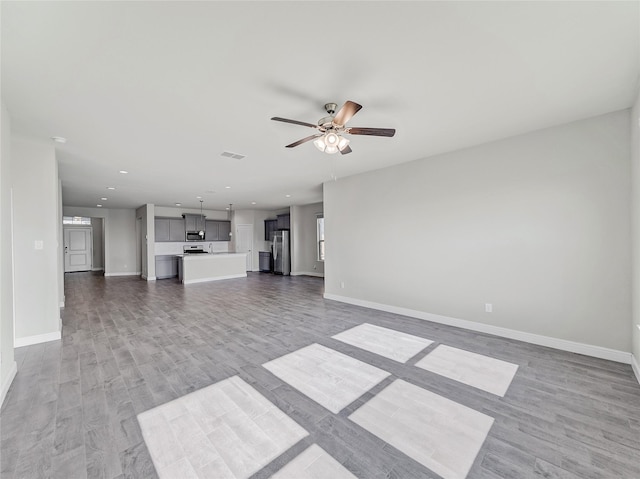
x=164 y=248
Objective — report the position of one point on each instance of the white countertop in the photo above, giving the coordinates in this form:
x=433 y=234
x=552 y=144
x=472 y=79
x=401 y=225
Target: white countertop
x=208 y=255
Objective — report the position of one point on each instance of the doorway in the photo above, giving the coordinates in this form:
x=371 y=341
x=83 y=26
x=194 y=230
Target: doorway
x=244 y=243
x=78 y=249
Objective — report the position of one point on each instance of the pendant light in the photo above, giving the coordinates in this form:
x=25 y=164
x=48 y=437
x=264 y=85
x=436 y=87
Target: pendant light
x=230 y=205
x=201 y=232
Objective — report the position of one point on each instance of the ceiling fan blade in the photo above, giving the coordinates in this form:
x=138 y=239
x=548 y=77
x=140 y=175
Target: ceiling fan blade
x=295 y=122
x=304 y=140
x=346 y=149
x=389 y=132
x=346 y=112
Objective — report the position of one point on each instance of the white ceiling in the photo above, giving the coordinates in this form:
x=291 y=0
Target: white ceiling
x=162 y=89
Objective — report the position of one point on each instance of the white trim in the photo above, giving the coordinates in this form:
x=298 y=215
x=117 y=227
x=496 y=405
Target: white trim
x=148 y=278
x=97 y=269
x=37 y=339
x=61 y=304
x=216 y=278
x=307 y=273
x=562 y=344
x=636 y=367
x=7 y=382
x=129 y=273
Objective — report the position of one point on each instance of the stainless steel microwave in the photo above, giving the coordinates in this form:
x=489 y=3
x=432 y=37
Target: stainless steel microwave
x=194 y=236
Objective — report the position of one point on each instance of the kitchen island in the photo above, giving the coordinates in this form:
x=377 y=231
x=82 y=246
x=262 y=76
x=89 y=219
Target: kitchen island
x=199 y=268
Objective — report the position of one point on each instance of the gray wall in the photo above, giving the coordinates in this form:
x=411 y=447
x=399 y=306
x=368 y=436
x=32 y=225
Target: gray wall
x=537 y=225
x=635 y=179
x=304 y=256
x=34 y=174
x=98 y=243
x=7 y=361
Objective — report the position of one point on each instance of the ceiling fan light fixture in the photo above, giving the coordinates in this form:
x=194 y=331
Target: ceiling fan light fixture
x=343 y=143
x=331 y=149
x=331 y=139
x=320 y=144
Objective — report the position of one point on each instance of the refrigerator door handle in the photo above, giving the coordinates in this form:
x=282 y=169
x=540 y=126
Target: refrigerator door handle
x=275 y=247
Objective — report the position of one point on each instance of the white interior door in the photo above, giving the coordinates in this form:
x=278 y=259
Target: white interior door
x=78 y=249
x=244 y=243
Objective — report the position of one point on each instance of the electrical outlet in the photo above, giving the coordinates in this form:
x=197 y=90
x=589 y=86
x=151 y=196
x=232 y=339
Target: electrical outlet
x=488 y=308
x=38 y=244
x=342 y=284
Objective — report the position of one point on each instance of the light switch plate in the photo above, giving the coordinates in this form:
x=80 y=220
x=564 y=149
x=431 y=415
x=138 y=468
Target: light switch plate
x=38 y=244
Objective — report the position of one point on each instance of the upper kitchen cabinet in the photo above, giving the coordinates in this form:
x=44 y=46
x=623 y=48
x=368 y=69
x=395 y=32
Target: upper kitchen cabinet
x=176 y=229
x=169 y=229
x=284 y=222
x=224 y=230
x=217 y=230
x=162 y=229
x=269 y=227
x=193 y=222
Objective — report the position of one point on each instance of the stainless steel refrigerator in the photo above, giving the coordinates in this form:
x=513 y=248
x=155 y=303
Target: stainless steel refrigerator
x=281 y=253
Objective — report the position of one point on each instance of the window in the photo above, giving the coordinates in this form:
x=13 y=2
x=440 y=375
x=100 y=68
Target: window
x=320 y=231
x=76 y=220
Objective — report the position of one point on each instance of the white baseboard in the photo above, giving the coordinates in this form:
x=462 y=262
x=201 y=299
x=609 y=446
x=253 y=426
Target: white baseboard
x=217 y=278
x=61 y=304
x=148 y=278
x=307 y=273
x=37 y=339
x=6 y=384
x=128 y=273
x=97 y=269
x=562 y=344
x=636 y=367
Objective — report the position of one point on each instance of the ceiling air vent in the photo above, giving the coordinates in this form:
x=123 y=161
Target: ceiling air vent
x=235 y=156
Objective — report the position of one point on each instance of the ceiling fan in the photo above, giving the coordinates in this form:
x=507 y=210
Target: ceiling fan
x=331 y=128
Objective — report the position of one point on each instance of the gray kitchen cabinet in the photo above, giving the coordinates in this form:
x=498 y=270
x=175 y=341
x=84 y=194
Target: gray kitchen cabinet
x=190 y=223
x=269 y=227
x=162 y=229
x=284 y=222
x=166 y=266
x=176 y=229
x=169 y=229
x=224 y=230
x=217 y=230
x=193 y=222
x=211 y=230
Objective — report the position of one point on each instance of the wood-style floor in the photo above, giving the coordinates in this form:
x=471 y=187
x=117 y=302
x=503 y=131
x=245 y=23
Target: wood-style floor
x=128 y=346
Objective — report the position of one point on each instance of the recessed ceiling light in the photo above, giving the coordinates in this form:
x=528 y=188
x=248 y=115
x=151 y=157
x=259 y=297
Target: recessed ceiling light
x=59 y=139
x=227 y=208
x=99 y=206
x=124 y=172
x=227 y=187
x=111 y=187
x=104 y=199
x=288 y=196
x=235 y=156
x=253 y=202
x=198 y=197
x=178 y=204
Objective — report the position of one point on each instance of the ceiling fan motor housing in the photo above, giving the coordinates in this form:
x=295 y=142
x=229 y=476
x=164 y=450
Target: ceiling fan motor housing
x=327 y=120
x=331 y=108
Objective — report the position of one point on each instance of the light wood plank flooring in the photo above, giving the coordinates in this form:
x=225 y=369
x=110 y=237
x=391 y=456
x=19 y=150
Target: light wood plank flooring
x=129 y=346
